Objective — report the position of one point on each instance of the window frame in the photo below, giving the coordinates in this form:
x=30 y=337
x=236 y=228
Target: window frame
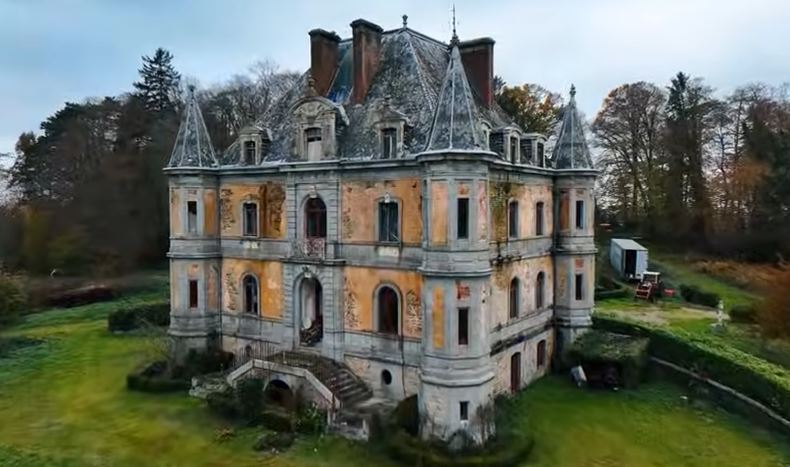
x=389 y=143
x=514 y=298
x=318 y=213
x=250 y=149
x=541 y=354
x=384 y=212
x=462 y=224
x=248 y=230
x=540 y=291
x=512 y=219
x=256 y=309
x=192 y=217
x=194 y=294
x=578 y=287
x=513 y=148
x=580 y=214
x=463 y=411
x=539 y=219
x=313 y=134
x=380 y=311
x=463 y=326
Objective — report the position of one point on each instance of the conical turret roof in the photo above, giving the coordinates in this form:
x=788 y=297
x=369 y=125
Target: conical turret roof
x=571 y=151
x=193 y=144
x=455 y=123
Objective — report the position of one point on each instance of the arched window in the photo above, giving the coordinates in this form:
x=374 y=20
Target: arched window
x=541 y=357
x=512 y=219
x=540 y=284
x=315 y=218
x=513 y=302
x=388 y=310
x=250 y=286
x=539 y=218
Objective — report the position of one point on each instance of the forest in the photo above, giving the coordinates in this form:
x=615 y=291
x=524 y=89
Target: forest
x=681 y=164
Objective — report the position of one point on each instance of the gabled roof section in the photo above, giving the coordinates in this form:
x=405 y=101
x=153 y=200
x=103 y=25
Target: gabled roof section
x=570 y=150
x=456 y=125
x=193 y=144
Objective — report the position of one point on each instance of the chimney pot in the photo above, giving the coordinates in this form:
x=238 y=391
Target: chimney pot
x=366 y=47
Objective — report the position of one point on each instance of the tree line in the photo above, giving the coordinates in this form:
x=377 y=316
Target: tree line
x=87 y=194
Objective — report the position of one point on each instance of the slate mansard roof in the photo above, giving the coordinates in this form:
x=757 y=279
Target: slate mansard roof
x=421 y=79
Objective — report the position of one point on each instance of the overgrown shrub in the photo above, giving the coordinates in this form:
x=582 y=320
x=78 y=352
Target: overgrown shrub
x=597 y=349
x=224 y=404
x=761 y=380
x=743 y=314
x=133 y=317
x=694 y=294
x=310 y=420
x=82 y=296
x=774 y=313
x=12 y=299
x=277 y=419
x=155 y=378
x=249 y=394
x=202 y=363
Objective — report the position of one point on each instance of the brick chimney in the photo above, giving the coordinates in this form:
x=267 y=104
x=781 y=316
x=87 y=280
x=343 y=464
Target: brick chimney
x=367 y=44
x=478 y=58
x=324 y=55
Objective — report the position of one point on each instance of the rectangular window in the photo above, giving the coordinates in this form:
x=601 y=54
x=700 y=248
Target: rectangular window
x=389 y=143
x=313 y=143
x=193 y=294
x=464 y=406
x=250 y=220
x=527 y=151
x=512 y=220
x=249 y=152
x=579 y=286
x=463 y=217
x=463 y=326
x=192 y=216
x=513 y=150
x=539 y=219
x=540 y=155
x=388 y=222
x=579 y=214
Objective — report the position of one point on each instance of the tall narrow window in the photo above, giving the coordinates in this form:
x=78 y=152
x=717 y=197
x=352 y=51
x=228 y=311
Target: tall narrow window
x=541 y=160
x=192 y=217
x=250 y=219
x=463 y=326
x=512 y=219
x=388 y=310
x=541 y=356
x=579 y=289
x=514 y=150
x=464 y=409
x=315 y=217
x=527 y=151
x=193 y=294
x=389 y=143
x=514 y=298
x=312 y=138
x=250 y=295
x=388 y=222
x=579 y=214
x=540 y=285
x=249 y=153
x=463 y=218
x=539 y=219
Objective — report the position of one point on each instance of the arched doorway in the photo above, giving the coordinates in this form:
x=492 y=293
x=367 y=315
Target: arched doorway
x=279 y=393
x=311 y=313
x=515 y=372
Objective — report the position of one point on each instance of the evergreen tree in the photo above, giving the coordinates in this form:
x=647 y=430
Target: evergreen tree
x=158 y=87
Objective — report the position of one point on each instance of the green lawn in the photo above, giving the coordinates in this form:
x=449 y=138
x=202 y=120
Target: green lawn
x=64 y=403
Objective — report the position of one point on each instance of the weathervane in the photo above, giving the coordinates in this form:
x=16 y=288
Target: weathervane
x=405 y=19
x=454 y=39
x=573 y=91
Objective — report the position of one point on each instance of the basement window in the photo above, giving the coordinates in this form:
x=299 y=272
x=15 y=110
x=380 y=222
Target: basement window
x=464 y=406
x=192 y=217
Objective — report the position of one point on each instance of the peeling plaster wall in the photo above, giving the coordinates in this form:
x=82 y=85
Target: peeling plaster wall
x=405 y=379
x=437 y=318
x=210 y=213
x=360 y=286
x=270 y=197
x=529 y=362
x=439 y=213
x=527 y=197
x=176 y=227
x=270 y=282
x=360 y=209
x=527 y=272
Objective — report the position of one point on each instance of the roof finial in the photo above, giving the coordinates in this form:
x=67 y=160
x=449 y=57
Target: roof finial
x=573 y=91
x=455 y=35
x=191 y=89
x=405 y=20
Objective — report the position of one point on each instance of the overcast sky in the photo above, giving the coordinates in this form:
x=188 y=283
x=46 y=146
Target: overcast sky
x=66 y=50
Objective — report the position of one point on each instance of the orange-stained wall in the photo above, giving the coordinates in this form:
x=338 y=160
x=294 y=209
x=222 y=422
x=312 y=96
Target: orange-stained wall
x=270 y=281
x=527 y=196
x=210 y=213
x=360 y=284
x=438 y=213
x=527 y=272
x=175 y=212
x=360 y=209
x=270 y=197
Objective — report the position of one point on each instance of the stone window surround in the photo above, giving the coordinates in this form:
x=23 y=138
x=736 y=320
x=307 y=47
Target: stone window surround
x=510 y=315
x=315 y=112
x=250 y=200
x=254 y=135
x=192 y=194
x=377 y=228
x=517 y=234
x=242 y=278
x=375 y=314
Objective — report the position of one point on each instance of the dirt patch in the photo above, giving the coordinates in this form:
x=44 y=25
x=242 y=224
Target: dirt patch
x=662 y=316
x=754 y=276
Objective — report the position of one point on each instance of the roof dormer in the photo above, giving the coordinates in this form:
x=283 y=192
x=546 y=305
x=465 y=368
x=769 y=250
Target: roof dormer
x=317 y=123
x=254 y=144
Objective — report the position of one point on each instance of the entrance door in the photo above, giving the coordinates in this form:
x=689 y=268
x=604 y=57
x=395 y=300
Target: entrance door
x=515 y=372
x=630 y=263
x=311 y=326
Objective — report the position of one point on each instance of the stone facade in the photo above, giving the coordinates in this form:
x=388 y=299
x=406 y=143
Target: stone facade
x=397 y=229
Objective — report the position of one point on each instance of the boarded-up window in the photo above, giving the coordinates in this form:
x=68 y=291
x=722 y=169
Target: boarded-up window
x=389 y=143
x=250 y=219
x=539 y=218
x=193 y=294
x=388 y=222
x=579 y=289
x=579 y=214
x=192 y=217
x=463 y=218
x=463 y=326
x=313 y=144
x=249 y=153
x=514 y=298
x=512 y=219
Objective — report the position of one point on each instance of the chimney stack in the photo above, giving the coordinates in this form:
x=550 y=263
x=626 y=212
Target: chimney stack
x=324 y=56
x=477 y=56
x=367 y=45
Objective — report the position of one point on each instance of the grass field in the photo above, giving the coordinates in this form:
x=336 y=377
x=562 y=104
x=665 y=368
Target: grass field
x=64 y=403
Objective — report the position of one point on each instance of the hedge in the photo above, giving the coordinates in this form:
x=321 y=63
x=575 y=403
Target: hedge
x=600 y=347
x=743 y=314
x=694 y=294
x=133 y=317
x=756 y=378
x=152 y=378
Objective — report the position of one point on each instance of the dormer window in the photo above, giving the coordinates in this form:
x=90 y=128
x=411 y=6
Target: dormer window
x=389 y=143
x=527 y=151
x=513 y=150
x=313 y=143
x=249 y=153
x=540 y=155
